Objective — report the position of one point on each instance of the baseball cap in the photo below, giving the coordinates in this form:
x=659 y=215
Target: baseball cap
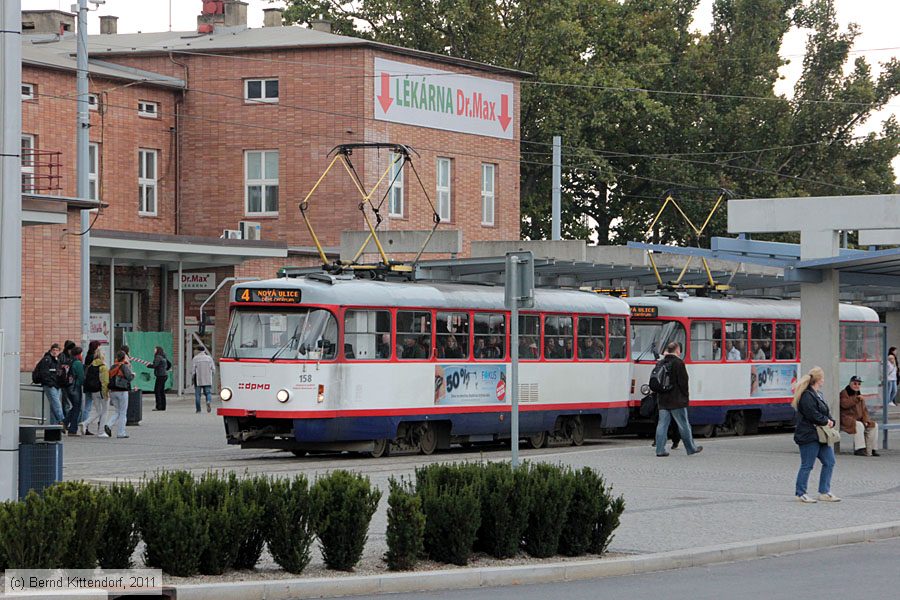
x=855 y=379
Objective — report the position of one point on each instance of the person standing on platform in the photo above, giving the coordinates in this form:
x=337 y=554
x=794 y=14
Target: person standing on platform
x=47 y=373
x=203 y=368
x=812 y=411
x=73 y=418
x=96 y=384
x=673 y=404
x=120 y=377
x=87 y=396
x=160 y=366
x=892 y=376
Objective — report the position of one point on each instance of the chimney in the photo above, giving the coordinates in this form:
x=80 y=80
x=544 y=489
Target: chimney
x=222 y=13
x=273 y=17
x=321 y=24
x=47 y=21
x=109 y=25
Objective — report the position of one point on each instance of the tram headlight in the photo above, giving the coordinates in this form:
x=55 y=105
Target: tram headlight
x=225 y=394
x=283 y=396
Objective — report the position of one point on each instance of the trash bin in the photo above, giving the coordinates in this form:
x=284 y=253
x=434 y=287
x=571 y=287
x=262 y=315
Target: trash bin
x=135 y=408
x=40 y=457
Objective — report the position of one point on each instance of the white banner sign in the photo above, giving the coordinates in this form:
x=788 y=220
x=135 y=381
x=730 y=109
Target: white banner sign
x=427 y=97
x=195 y=281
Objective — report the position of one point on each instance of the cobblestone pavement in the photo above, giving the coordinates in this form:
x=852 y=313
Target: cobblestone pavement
x=737 y=489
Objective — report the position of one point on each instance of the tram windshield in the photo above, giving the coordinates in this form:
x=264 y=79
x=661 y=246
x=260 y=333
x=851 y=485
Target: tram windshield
x=649 y=338
x=295 y=334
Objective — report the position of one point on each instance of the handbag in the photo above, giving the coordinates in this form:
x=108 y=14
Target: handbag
x=828 y=435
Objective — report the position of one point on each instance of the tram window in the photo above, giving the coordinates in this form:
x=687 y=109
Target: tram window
x=872 y=346
x=413 y=335
x=761 y=340
x=367 y=335
x=617 y=338
x=785 y=341
x=452 y=333
x=490 y=336
x=735 y=341
x=853 y=342
x=706 y=340
x=591 y=338
x=650 y=338
x=529 y=337
x=559 y=341
x=296 y=334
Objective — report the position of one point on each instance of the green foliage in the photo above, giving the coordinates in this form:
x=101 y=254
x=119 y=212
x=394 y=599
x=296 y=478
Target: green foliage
x=607 y=522
x=35 y=533
x=585 y=508
x=120 y=534
x=173 y=529
x=551 y=493
x=290 y=529
x=451 y=501
x=405 y=527
x=87 y=518
x=255 y=495
x=224 y=514
x=505 y=504
x=343 y=505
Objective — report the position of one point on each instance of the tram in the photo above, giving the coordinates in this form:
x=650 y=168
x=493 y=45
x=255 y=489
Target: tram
x=742 y=355
x=327 y=362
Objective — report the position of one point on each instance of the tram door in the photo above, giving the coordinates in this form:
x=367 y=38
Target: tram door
x=193 y=342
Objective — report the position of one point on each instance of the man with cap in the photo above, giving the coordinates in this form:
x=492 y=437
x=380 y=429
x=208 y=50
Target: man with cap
x=855 y=419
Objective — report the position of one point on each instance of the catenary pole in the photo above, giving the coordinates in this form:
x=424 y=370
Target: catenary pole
x=513 y=391
x=10 y=241
x=557 y=187
x=82 y=148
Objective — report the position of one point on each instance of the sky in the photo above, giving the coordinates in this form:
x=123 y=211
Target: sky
x=878 y=41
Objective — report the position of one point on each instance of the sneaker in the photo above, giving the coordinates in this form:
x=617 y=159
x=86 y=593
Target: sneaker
x=107 y=430
x=697 y=451
x=859 y=452
x=829 y=497
x=875 y=453
x=208 y=407
x=122 y=437
x=197 y=411
x=87 y=431
x=674 y=445
x=102 y=435
x=892 y=404
x=662 y=455
x=806 y=499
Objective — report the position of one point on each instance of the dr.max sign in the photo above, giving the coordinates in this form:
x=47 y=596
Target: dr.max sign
x=195 y=281
x=427 y=97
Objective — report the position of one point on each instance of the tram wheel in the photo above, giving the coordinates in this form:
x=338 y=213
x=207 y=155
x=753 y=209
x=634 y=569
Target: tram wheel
x=381 y=448
x=739 y=423
x=706 y=431
x=299 y=453
x=576 y=433
x=538 y=440
x=427 y=439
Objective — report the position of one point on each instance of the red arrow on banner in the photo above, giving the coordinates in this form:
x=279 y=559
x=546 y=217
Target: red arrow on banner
x=385 y=98
x=504 y=117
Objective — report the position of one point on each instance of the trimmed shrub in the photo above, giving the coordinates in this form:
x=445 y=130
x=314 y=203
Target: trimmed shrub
x=173 y=530
x=343 y=505
x=88 y=519
x=451 y=501
x=35 y=533
x=222 y=511
x=505 y=504
x=405 y=527
x=120 y=534
x=584 y=510
x=607 y=521
x=551 y=492
x=290 y=531
x=255 y=495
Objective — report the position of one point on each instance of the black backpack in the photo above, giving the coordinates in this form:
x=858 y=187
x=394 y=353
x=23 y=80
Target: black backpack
x=92 y=382
x=661 y=377
x=36 y=373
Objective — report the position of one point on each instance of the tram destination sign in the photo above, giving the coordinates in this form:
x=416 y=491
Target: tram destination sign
x=268 y=295
x=644 y=312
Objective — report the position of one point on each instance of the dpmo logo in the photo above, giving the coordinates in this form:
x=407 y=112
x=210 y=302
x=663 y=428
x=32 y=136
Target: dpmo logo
x=253 y=386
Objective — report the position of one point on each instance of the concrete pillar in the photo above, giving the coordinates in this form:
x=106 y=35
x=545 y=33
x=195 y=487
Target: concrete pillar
x=892 y=319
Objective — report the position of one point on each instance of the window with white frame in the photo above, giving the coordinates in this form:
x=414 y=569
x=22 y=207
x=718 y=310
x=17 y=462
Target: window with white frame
x=261 y=90
x=28 y=91
x=395 y=180
x=443 y=188
x=93 y=171
x=93 y=102
x=148 y=109
x=28 y=147
x=147 y=181
x=487 y=194
x=261 y=175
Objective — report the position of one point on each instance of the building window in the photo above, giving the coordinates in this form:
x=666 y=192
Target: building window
x=262 y=182
x=395 y=207
x=443 y=188
x=28 y=147
x=93 y=171
x=261 y=90
x=487 y=194
x=28 y=92
x=148 y=109
x=147 y=165
x=93 y=102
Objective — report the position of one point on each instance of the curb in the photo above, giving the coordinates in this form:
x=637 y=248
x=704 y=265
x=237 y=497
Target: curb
x=458 y=579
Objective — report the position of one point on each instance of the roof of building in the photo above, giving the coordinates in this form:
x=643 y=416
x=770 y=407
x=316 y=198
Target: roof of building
x=237 y=39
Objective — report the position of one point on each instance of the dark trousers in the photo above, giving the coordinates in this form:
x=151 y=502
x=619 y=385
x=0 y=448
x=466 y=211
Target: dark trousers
x=159 y=390
x=73 y=417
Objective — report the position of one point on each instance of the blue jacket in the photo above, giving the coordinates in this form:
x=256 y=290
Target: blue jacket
x=811 y=411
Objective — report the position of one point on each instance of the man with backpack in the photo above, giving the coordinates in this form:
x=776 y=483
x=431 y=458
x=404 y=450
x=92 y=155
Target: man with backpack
x=47 y=374
x=669 y=380
x=96 y=392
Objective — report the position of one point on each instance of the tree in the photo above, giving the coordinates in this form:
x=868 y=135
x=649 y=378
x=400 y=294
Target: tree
x=644 y=103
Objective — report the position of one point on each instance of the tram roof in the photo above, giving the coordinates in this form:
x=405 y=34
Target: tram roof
x=741 y=308
x=325 y=289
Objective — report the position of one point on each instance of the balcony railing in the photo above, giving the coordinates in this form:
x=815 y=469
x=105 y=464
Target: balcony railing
x=41 y=171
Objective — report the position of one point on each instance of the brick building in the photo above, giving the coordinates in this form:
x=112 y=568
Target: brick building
x=226 y=125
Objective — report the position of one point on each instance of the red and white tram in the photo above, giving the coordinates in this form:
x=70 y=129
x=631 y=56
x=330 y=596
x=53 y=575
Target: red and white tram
x=326 y=362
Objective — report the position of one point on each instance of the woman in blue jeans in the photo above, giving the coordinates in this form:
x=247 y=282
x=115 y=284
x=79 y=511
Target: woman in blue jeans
x=812 y=410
